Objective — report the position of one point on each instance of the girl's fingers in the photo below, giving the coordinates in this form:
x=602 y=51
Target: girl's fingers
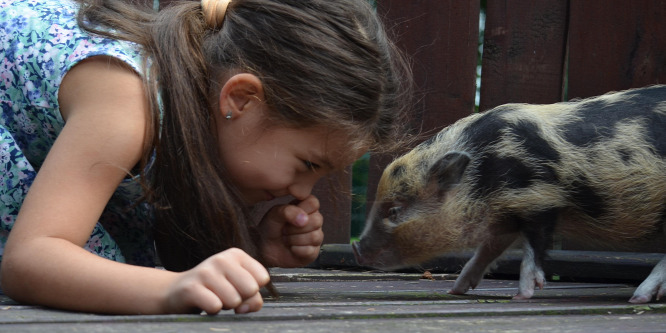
x=257 y=270
x=244 y=285
x=252 y=304
x=199 y=298
x=295 y=216
x=227 y=293
x=312 y=238
x=297 y=225
x=244 y=273
x=309 y=205
x=305 y=252
x=233 y=277
x=212 y=302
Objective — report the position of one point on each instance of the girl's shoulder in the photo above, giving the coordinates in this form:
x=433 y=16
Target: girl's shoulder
x=40 y=42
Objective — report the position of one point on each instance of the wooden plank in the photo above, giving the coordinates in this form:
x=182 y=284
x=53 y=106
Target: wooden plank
x=373 y=303
x=523 y=52
x=634 y=320
x=655 y=243
x=563 y=263
x=616 y=45
x=441 y=38
x=327 y=301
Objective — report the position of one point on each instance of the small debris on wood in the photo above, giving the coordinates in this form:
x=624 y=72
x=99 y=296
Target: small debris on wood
x=427 y=276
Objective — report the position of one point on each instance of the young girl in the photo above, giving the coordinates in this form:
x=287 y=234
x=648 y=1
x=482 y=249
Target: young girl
x=135 y=130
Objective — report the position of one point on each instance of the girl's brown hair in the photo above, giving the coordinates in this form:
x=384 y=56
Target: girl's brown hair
x=321 y=62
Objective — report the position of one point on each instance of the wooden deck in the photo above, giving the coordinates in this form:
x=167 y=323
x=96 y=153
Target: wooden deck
x=327 y=300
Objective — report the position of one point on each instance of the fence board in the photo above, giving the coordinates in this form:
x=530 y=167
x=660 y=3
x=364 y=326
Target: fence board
x=523 y=52
x=441 y=37
x=615 y=45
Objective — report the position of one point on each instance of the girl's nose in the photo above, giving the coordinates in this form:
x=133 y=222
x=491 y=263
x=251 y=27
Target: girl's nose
x=302 y=189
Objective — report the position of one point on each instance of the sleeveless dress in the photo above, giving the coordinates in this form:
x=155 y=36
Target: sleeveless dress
x=39 y=43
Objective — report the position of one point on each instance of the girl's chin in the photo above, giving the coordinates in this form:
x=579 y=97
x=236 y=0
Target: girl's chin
x=268 y=196
x=259 y=199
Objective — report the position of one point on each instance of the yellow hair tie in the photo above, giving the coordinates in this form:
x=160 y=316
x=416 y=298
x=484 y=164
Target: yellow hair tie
x=214 y=11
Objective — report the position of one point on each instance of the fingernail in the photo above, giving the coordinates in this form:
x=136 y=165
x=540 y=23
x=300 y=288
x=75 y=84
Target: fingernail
x=301 y=219
x=243 y=309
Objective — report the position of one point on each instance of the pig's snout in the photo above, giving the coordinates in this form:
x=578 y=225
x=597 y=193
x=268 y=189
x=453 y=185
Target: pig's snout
x=366 y=256
x=356 y=248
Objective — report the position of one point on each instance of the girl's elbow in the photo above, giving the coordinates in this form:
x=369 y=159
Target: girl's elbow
x=6 y=278
x=12 y=283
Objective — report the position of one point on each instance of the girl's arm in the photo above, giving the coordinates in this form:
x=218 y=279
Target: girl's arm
x=105 y=108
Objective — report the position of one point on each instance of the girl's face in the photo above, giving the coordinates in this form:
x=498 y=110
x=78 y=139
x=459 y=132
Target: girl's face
x=266 y=162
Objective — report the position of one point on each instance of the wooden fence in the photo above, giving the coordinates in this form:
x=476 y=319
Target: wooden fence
x=534 y=51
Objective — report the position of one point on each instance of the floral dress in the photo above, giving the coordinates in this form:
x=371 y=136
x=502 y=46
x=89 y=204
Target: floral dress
x=39 y=42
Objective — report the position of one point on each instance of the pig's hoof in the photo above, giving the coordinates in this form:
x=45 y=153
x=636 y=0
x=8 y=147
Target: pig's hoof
x=456 y=292
x=462 y=286
x=640 y=299
x=653 y=286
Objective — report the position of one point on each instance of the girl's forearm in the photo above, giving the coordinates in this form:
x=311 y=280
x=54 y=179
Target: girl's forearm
x=56 y=273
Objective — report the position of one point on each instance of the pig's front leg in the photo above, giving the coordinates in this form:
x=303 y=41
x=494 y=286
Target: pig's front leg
x=476 y=267
x=654 y=284
x=531 y=274
x=537 y=230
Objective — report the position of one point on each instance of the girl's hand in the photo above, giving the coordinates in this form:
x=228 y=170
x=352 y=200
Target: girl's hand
x=291 y=234
x=228 y=280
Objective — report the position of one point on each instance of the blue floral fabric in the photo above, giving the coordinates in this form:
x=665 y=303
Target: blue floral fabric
x=39 y=43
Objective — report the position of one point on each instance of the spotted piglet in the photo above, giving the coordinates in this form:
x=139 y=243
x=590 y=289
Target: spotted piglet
x=592 y=170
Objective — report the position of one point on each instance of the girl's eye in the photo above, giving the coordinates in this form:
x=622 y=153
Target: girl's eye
x=310 y=165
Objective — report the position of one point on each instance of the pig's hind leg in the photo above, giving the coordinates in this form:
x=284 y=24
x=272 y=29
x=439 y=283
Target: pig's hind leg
x=654 y=284
x=484 y=256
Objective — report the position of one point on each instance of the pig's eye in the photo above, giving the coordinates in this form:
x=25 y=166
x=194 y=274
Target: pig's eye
x=393 y=212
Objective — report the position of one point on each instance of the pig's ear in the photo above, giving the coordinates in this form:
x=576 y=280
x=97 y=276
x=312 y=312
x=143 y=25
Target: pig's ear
x=448 y=171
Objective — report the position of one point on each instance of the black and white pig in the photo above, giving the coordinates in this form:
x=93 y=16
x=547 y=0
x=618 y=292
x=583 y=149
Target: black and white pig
x=591 y=169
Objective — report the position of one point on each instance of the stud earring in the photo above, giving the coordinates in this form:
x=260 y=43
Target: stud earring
x=228 y=116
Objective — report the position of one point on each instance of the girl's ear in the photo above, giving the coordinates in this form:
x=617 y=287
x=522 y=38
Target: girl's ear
x=241 y=93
